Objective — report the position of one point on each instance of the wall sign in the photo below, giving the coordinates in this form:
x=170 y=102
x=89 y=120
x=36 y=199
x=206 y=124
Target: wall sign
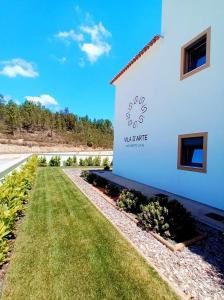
x=135 y=117
x=136 y=111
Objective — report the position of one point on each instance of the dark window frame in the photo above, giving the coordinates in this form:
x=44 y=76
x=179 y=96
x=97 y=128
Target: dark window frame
x=184 y=73
x=180 y=166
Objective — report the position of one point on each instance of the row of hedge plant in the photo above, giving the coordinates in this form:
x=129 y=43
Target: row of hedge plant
x=166 y=217
x=90 y=161
x=14 y=193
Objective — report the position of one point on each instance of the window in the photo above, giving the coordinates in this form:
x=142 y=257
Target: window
x=195 y=55
x=192 y=152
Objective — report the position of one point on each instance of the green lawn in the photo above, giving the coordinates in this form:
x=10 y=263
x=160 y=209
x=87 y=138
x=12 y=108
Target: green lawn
x=67 y=250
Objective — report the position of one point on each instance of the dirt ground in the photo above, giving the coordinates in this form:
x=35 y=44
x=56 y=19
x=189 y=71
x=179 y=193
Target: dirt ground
x=11 y=148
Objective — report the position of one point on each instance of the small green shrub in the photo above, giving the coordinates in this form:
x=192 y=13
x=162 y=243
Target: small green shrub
x=181 y=224
x=55 y=161
x=88 y=176
x=74 y=160
x=112 y=190
x=84 y=174
x=106 y=162
x=89 y=161
x=97 y=161
x=68 y=162
x=42 y=162
x=154 y=217
x=168 y=218
x=130 y=200
x=82 y=162
x=106 y=168
x=100 y=182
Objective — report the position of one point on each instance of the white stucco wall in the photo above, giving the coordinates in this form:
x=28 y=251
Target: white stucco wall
x=195 y=104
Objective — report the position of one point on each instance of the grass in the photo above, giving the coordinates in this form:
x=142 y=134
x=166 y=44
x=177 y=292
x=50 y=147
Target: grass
x=67 y=250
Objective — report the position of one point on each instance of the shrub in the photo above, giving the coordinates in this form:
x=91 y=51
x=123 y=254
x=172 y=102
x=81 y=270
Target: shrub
x=14 y=192
x=107 y=168
x=74 y=160
x=181 y=224
x=130 y=200
x=88 y=176
x=55 y=161
x=154 y=217
x=97 y=161
x=100 y=182
x=82 y=162
x=112 y=190
x=84 y=174
x=42 y=162
x=68 y=162
x=106 y=162
x=89 y=161
x=168 y=218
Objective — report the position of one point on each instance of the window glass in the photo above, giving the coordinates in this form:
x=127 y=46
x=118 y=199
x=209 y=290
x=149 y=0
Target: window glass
x=192 y=152
x=196 y=55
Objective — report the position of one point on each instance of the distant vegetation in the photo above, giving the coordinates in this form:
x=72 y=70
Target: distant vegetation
x=31 y=121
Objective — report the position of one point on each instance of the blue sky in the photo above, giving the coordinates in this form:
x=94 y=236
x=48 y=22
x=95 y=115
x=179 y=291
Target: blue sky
x=64 y=53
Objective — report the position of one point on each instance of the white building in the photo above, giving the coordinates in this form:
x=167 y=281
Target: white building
x=169 y=111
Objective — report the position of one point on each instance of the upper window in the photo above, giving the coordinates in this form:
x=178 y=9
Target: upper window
x=195 y=55
x=192 y=152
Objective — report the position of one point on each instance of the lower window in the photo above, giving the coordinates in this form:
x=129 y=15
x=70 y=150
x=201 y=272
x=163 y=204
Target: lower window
x=192 y=152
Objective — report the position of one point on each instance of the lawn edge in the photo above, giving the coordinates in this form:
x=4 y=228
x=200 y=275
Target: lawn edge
x=178 y=291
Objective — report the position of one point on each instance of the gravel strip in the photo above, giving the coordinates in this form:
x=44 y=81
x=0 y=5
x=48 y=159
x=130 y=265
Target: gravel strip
x=198 y=270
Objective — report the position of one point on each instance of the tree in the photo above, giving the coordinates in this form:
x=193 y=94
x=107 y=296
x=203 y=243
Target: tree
x=12 y=116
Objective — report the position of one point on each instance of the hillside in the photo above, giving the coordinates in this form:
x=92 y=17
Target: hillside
x=31 y=126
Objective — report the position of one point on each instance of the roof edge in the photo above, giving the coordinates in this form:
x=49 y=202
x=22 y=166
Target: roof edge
x=136 y=57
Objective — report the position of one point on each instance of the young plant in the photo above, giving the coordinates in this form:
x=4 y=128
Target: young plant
x=42 y=162
x=154 y=217
x=112 y=190
x=55 y=161
x=130 y=200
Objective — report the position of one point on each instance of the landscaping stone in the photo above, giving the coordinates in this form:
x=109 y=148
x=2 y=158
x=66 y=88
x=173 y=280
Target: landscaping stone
x=198 y=270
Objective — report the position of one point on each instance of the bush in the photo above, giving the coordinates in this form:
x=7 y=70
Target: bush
x=107 y=168
x=106 y=162
x=154 y=217
x=97 y=161
x=100 y=182
x=168 y=218
x=42 y=162
x=74 y=160
x=89 y=161
x=68 y=162
x=55 y=161
x=112 y=190
x=84 y=174
x=181 y=224
x=82 y=162
x=130 y=201
x=88 y=176
x=14 y=192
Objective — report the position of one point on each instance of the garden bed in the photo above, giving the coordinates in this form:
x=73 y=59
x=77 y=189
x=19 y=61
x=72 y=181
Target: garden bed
x=100 y=184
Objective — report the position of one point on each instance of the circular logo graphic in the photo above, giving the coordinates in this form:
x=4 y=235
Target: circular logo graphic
x=136 y=111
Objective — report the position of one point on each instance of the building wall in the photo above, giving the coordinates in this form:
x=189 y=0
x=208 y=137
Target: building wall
x=195 y=104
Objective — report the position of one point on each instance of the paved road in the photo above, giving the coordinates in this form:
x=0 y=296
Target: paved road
x=9 y=160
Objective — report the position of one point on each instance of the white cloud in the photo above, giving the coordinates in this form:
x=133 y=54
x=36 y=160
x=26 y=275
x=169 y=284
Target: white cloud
x=43 y=100
x=18 y=67
x=94 y=51
x=91 y=38
x=70 y=35
x=97 y=32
